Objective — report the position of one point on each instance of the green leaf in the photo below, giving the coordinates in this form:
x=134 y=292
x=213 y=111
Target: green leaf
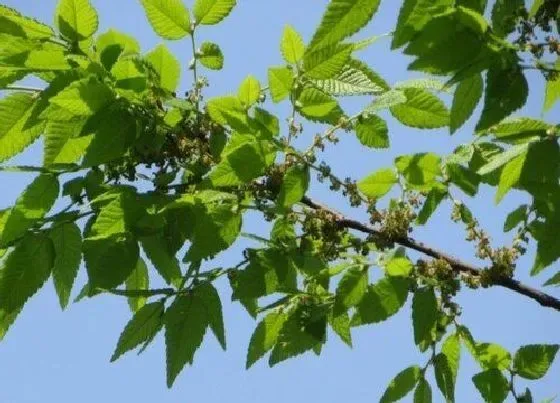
x=340 y=323
x=67 y=241
x=26 y=269
x=316 y=104
x=381 y=301
x=355 y=78
x=110 y=261
x=326 y=62
x=554 y=280
x=506 y=91
x=372 y=131
x=265 y=336
x=234 y=170
x=249 y=91
x=229 y=111
x=84 y=97
x=517 y=130
x=352 y=287
x=31 y=206
x=510 y=175
x=421 y=109
x=17 y=127
x=505 y=15
x=419 y=170
x=210 y=12
x=342 y=19
x=533 y=361
x=399 y=267
x=463 y=177
x=413 y=16
x=167 y=67
x=169 y=18
x=386 y=100
x=446 y=366
x=516 y=217
x=113 y=44
x=476 y=5
x=6 y=320
x=280 y=81
x=211 y=56
x=294 y=186
x=143 y=326
x=185 y=325
x=292 y=45
x=13 y=23
x=162 y=258
x=57 y=136
x=379 y=183
x=466 y=97
x=211 y=301
x=552 y=90
x=492 y=385
x=138 y=280
x=424 y=316
x=76 y=19
x=402 y=384
x=498 y=160
x=491 y=355
x=423 y=392
x=433 y=200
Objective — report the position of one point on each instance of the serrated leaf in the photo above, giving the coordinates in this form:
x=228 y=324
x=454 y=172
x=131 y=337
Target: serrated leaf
x=13 y=23
x=492 y=385
x=402 y=384
x=533 y=361
x=325 y=63
x=342 y=19
x=516 y=217
x=399 y=267
x=84 y=97
x=378 y=183
x=506 y=91
x=229 y=111
x=234 y=170
x=167 y=67
x=355 y=78
x=76 y=19
x=26 y=269
x=280 y=81
x=169 y=18
x=185 y=326
x=491 y=355
x=340 y=323
x=211 y=56
x=433 y=200
x=419 y=170
x=517 y=130
x=463 y=177
x=57 y=135
x=423 y=392
x=36 y=200
x=552 y=90
x=138 y=280
x=498 y=160
x=210 y=12
x=554 y=280
x=381 y=301
x=113 y=44
x=162 y=258
x=17 y=127
x=265 y=336
x=424 y=316
x=67 y=242
x=504 y=16
x=446 y=366
x=6 y=320
x=294 y=186
x=211 y=301
x=292 y=45
x=466 y=97
x=373 y=132
x=316 y=104
x=352 y=287
x=421 y=110
x=143 y=326
x=249 y=91
x=509 y=176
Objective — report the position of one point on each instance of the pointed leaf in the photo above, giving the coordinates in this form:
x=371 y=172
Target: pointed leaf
x=326 y=62
x=169 y=18
x=162 y=258
x=67 y=241
x=352 y=287
x=533 y=361
x=249 y=91
x=381 y=301
x=492 y=385
x=421 y=109
x=166 y=65
x=265 y=336
x=280 y=81
x=467 y=95
x=402 y=384
x=138 y=280
x=294 y=186
x=210 y=12
x=423 y=392
x=373 y=132
x=211 y=301
x=211 y=56
x=292 y=45
x=76 y=19
x=424 y=316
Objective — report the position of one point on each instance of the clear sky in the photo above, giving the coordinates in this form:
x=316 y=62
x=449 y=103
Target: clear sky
x=54 y=356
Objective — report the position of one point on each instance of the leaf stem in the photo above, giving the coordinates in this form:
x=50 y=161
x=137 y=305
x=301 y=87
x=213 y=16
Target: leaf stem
x=22 y=88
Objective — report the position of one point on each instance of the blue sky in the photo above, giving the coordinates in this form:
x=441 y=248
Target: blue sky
x=54 y=356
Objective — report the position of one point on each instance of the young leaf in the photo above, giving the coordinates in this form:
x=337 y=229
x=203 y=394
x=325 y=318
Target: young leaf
x=67 y=241
x=373 y=132
x=378 y=183
x=57 y=136
x=138 y=280
x=17 y=129
x=185 y=325
x=433 y=200
x=342 y=19
x=315 y=104
x=31 y=206
x=143 y=326
x=16 y=24
x=533 y=361
x=76 y=19
x=249 y=91
x=466 y=97
x=113 y=44
x=423 y=392
x=419 y=170
x=446 y=366
x=280 y=81
x=492 y=385
x=510 y=175
x=421 y=109
x=167 y=67
x=424 y=316
x=402 y=384
x=491 y=355
x=500 y=159
x=516 y=217
x=326 y=62
x=211 y=301
x=169 y=18
x=210 y=12
x=265 y=336
x=234 y=170
x=352 y=287
x=381 y=301
x=399 y=267
x=211 y=56
x=292 y=45
x=355 y=78
x=162 y=258
x=26 y=269
x=84 y=97
x=294 y=186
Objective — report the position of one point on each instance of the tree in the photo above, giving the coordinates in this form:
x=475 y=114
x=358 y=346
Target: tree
x=144 y=169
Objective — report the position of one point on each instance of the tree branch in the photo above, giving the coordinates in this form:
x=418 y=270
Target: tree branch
x=457 y=265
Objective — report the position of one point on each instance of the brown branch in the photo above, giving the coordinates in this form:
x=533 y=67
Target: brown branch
x=458 y=265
